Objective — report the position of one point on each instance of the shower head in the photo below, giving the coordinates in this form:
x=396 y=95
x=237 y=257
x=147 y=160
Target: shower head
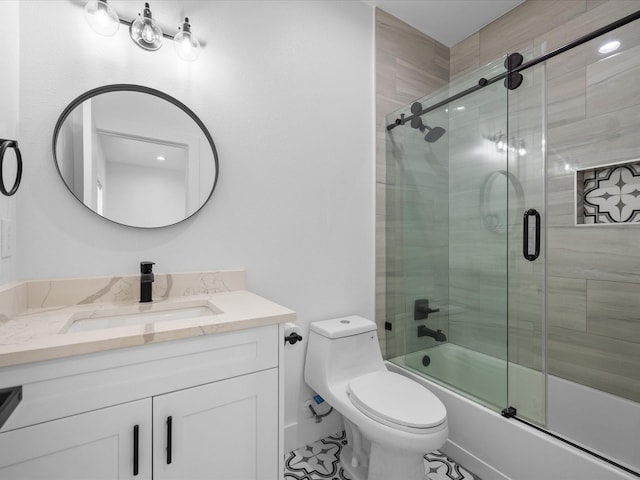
x=433 y=134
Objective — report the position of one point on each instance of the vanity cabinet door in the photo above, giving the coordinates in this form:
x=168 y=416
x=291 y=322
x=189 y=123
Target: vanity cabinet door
x=94 y=445
x=227 y=430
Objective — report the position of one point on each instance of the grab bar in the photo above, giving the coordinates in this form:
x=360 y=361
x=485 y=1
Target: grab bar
x=4 y=145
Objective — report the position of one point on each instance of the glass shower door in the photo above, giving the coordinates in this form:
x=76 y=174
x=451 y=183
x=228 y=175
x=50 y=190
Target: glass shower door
x=447 y=240
x=527 y=247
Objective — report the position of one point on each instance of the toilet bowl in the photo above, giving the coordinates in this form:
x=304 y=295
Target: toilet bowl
x=390 y=420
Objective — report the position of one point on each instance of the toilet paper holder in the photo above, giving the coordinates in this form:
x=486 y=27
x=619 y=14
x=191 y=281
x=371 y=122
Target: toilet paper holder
x=292 y=334
x=293 y=338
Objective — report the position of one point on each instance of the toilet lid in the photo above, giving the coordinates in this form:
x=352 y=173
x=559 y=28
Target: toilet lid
x=394 y=398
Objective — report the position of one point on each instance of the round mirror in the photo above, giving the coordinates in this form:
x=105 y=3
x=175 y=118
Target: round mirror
x=135 y=156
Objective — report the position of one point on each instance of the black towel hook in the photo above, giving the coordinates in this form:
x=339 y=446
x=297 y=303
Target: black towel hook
x=4 y=144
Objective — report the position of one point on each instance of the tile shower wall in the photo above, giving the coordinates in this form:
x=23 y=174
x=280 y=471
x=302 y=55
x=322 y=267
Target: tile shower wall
x=409 y=65
x=592 y=118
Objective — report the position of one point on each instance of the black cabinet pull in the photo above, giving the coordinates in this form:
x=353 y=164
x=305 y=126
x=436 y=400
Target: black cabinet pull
x=169 y=440
x=526 y=252
x=136 y=429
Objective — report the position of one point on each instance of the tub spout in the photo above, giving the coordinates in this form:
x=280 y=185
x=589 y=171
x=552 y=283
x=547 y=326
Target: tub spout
x=438 y=336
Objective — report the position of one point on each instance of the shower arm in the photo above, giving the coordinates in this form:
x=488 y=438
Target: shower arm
x=483 y=82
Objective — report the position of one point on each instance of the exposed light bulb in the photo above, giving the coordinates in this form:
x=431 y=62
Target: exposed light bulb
x=101 y=17
x=145 y=32
x=148 y=34
x=186 y=44
x=522 y=151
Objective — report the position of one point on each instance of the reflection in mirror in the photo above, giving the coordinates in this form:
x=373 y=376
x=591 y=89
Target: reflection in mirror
x=135 y=156
x=501 y=201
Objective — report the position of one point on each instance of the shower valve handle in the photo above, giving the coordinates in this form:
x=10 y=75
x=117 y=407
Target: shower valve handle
x=421 y=309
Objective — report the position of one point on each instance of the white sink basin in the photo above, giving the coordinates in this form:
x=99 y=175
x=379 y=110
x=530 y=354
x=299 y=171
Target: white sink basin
x=88 y=321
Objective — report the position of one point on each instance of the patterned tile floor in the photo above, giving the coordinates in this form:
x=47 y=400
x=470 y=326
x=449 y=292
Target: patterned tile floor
x=321 y=461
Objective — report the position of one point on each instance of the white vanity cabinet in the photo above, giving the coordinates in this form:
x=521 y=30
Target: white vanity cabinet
x=205 y=407
x=93 y=445
x=224 y=430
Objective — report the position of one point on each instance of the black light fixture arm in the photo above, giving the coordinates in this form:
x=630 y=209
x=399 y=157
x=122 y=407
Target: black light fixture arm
x=129 y=22
x=483 y=82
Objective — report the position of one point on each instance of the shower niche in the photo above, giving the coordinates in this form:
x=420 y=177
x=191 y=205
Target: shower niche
x=608 y=194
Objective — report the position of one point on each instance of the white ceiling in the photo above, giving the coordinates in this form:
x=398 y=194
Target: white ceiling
x=447 y=21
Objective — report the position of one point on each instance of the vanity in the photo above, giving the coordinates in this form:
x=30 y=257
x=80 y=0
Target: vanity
x=187 y=387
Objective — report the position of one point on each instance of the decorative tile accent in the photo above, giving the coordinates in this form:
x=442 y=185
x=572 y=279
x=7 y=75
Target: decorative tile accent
x=321 y=460
x=609 y=194
x=440 y=467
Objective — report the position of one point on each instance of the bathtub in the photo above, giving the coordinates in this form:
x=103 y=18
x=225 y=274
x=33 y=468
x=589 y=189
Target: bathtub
x=485 y=378
x=481 y=439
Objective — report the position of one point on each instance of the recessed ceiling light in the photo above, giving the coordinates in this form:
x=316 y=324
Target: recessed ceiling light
x=609 y=47
x=460 y=108
x=160 y=158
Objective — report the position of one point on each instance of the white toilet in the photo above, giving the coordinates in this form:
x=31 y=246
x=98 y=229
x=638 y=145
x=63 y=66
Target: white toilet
x=390 y=420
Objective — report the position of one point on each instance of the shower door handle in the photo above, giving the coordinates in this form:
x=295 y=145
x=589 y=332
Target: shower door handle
x=527 y=252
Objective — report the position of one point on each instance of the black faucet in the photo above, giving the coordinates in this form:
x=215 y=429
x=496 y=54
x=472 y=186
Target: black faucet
x=438 y=336
x=146 y=281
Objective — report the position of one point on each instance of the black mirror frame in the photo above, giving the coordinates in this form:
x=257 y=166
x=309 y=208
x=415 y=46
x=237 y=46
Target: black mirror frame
x=133 y=88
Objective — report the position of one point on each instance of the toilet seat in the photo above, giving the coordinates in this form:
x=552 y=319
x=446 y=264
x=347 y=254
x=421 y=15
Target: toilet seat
x=396 y=401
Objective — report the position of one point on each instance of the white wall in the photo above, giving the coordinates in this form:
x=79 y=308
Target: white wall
x=9 y=89
x=286 y=89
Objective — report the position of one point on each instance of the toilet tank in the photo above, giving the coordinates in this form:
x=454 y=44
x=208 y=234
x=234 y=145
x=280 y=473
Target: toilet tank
x=341 y=349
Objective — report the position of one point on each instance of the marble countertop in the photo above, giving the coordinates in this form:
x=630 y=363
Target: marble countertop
x=40 y=332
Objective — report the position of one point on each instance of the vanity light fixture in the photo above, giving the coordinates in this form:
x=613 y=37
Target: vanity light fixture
x=187 y=46
x=144 y=30
x=501 y=142
x=522 y=149
x=504 y=144
x=101 y=17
